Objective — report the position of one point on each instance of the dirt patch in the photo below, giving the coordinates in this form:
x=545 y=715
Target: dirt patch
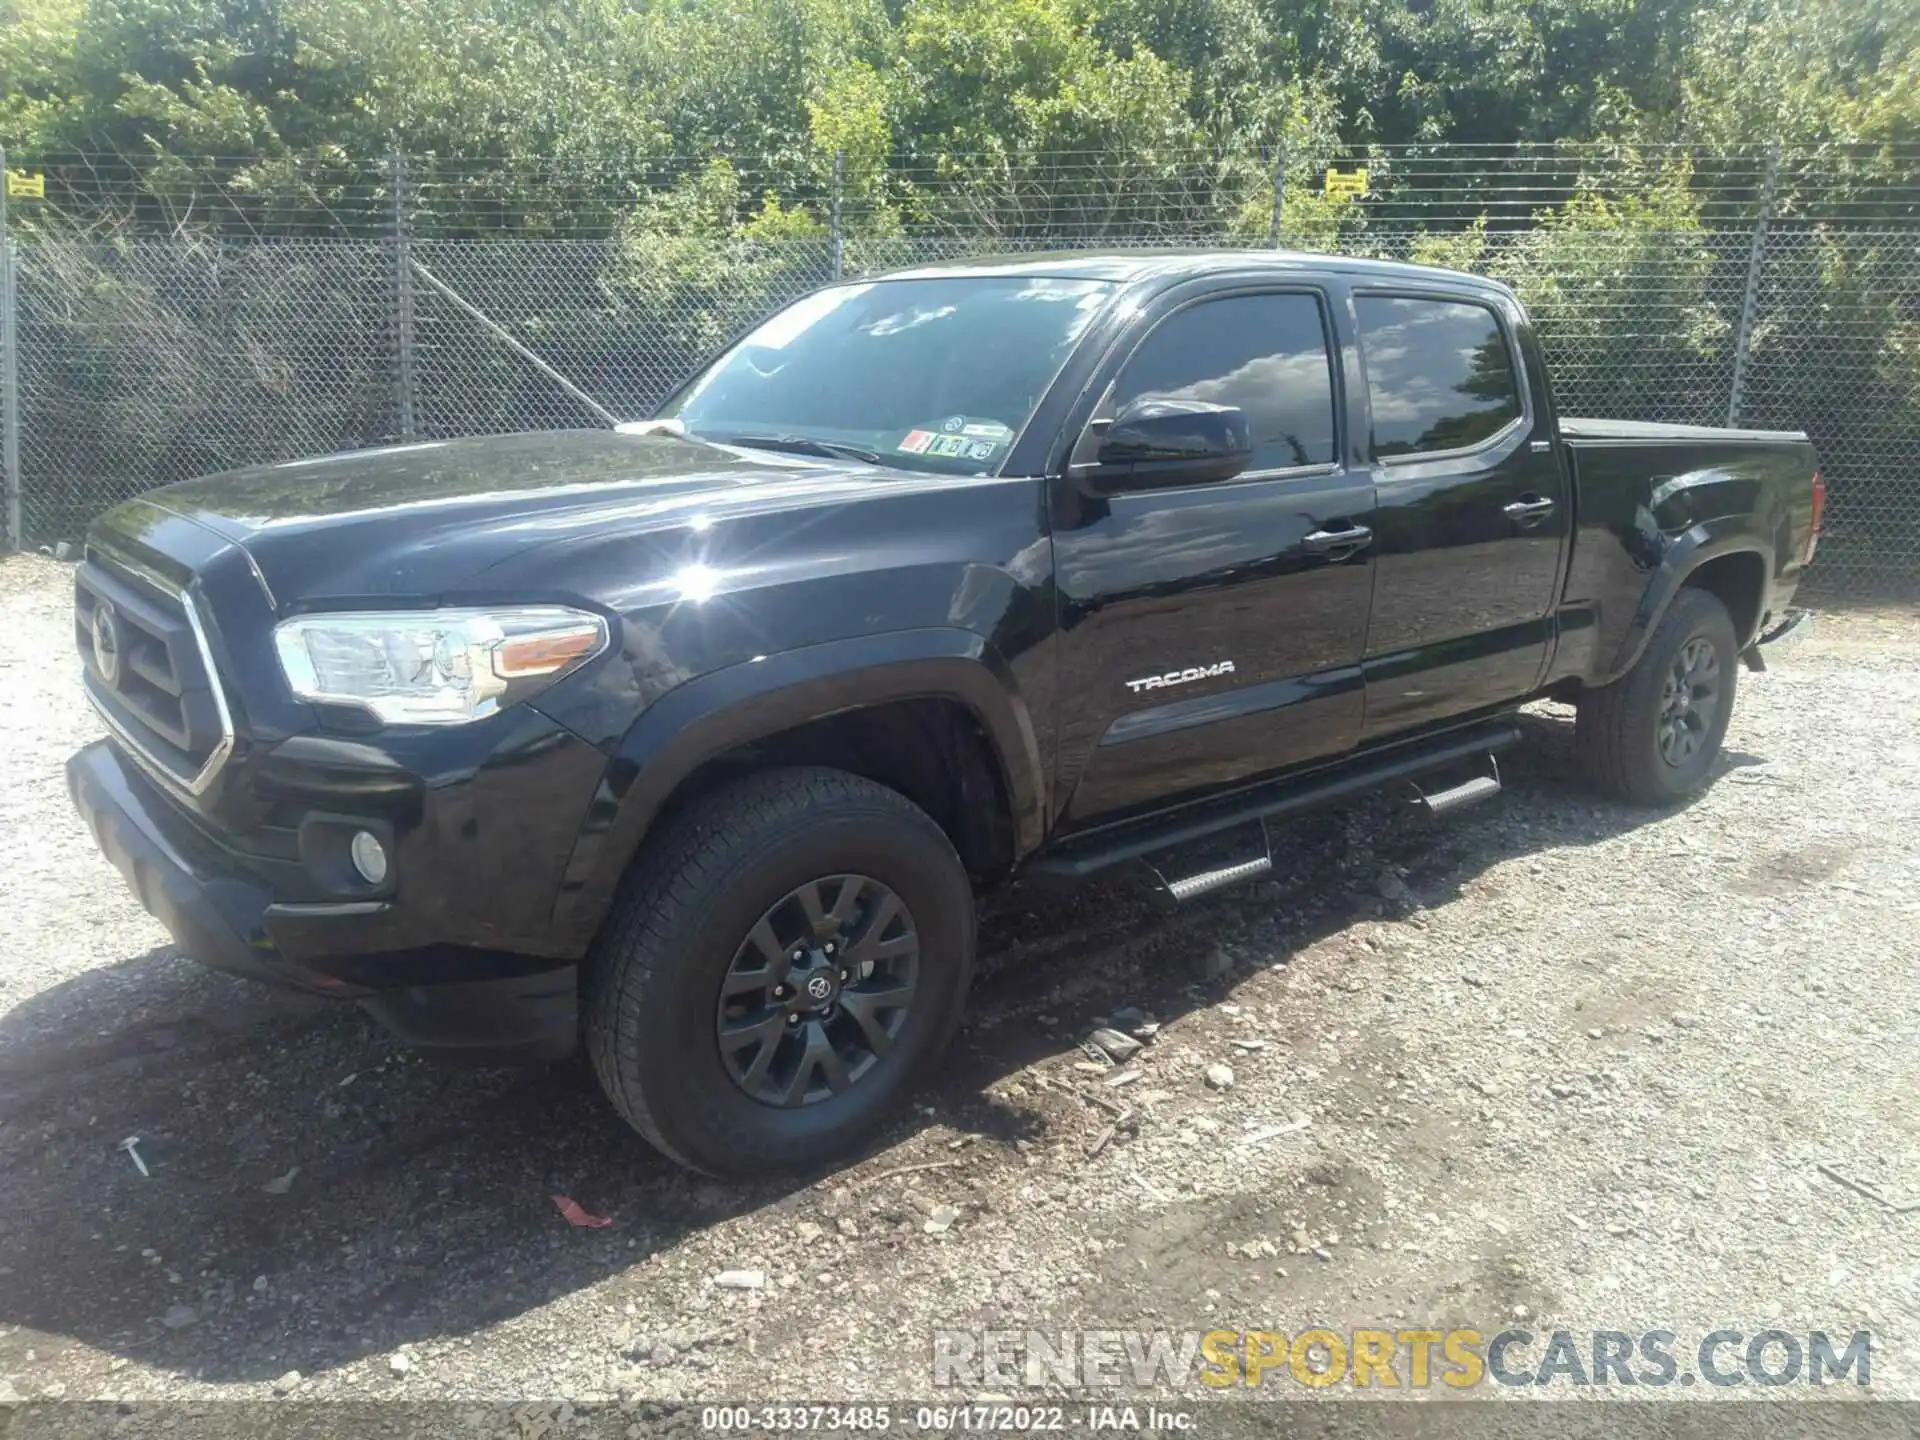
x=1783 y=870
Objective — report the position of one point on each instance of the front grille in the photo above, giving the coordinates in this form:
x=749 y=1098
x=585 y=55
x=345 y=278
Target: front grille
x=148 y=669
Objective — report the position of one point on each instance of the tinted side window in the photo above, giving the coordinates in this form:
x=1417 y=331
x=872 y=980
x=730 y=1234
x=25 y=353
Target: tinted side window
x=1267 y=354
x=1439 y=373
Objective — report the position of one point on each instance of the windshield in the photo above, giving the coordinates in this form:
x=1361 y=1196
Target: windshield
x=926 y=374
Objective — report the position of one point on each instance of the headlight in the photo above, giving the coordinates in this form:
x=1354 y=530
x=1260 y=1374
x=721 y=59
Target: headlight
x=435 y=667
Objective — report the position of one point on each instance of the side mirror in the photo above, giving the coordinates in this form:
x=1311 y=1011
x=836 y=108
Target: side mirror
x=1160 y=442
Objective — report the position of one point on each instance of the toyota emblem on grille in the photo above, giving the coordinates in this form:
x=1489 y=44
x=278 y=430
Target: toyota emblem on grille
x=106 y=643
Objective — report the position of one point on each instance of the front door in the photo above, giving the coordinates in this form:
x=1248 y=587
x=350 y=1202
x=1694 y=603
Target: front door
x=1472 y=509
x=1212 y=633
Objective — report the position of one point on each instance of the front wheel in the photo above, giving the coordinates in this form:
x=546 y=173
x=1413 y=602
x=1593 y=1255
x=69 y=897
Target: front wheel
x=1650 y=737
x=780 y=971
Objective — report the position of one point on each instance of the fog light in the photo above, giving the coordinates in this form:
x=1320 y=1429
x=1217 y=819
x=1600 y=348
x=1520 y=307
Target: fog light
x=369 y=856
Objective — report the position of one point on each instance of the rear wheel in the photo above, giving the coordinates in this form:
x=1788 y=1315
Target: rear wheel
x=1652 y=735
x=780 y=971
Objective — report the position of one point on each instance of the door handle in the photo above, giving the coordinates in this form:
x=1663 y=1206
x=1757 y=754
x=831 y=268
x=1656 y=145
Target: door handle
x=1528 y=510
x=1351 y=540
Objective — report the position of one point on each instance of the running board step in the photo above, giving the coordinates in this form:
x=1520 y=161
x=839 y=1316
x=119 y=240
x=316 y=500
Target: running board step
x=1355 y=775
x=1467 y=792
x=1190 y=887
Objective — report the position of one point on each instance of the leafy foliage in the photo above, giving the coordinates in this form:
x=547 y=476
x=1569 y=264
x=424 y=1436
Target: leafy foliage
x=230 y=88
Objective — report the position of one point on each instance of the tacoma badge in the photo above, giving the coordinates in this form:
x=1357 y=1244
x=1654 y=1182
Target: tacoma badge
x=1181 y=677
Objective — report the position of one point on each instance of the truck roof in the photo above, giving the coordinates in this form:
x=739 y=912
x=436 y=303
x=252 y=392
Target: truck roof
x=1170 y=265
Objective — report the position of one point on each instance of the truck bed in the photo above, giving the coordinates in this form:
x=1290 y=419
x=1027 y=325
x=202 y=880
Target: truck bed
x=1646 y=491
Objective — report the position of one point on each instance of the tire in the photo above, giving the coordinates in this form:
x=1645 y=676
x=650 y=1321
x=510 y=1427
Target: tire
x=1625 y=737
x=689 y=920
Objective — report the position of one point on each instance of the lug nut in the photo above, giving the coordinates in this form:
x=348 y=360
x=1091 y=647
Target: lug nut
x=793 y=1020
x=845 y=975
x=829 y=947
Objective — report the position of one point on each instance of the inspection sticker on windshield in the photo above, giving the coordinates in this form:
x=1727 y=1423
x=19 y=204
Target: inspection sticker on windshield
x=948 y=446
x=960 y=437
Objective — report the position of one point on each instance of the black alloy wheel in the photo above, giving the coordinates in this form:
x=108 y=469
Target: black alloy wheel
x=818 y=991
x=1651 y=736
x=1689 y=701
x=784 y=965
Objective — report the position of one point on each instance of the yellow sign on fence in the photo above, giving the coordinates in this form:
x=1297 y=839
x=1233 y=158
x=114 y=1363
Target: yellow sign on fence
x=1351 y=183
x=19 y=183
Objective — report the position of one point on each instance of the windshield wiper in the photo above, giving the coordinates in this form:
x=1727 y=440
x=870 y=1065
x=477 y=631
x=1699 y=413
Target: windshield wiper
x=798 y=445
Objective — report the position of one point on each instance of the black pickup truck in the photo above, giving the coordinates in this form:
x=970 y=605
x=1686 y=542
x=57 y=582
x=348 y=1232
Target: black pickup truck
x=694 y=740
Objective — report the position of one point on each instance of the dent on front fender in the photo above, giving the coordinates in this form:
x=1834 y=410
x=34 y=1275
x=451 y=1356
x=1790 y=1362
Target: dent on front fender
x=718 y=712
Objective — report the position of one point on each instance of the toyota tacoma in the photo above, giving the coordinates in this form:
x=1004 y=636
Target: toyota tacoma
x=693 y=741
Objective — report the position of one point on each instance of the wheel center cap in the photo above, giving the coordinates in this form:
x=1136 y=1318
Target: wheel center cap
x=816 y=984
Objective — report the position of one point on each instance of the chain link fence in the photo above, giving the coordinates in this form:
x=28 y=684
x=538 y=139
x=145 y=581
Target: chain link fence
x=150 y=361
x=142 y=358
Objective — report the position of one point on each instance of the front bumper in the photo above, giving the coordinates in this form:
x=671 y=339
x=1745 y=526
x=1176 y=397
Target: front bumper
x=216 y=918
x=429 y=989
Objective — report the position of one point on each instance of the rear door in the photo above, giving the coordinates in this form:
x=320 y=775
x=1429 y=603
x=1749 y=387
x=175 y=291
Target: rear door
x=1472 y=507
x=1212 y=633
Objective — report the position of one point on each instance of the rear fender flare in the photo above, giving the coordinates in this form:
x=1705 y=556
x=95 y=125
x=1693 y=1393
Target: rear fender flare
x=1686 y=553
x=725 y=709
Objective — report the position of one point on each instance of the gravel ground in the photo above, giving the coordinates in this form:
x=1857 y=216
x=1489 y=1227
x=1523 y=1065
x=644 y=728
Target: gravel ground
x=1551 y=1063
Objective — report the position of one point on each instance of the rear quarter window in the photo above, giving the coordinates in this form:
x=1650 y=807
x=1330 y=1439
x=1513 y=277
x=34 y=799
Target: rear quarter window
x=1439 y=373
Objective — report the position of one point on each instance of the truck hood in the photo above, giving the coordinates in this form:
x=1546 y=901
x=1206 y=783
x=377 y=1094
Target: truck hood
x=418 y=520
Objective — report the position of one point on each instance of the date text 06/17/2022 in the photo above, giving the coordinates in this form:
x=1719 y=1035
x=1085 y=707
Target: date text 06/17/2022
x=943 y=1419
